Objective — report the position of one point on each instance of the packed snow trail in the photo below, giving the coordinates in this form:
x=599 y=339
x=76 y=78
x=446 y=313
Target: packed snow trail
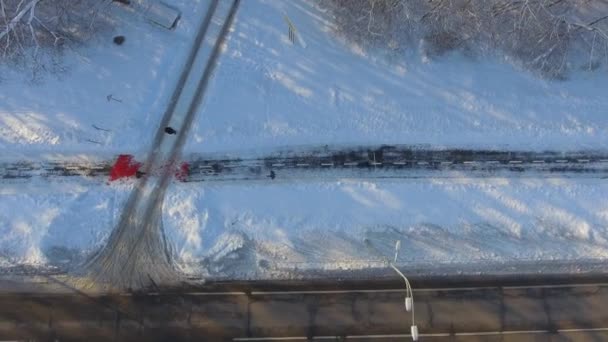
x=136 y=255
x=395 y=161
x=384 y=161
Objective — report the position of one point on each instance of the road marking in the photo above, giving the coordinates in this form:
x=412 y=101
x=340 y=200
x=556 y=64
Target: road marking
x=299 y=338
x=515 y=161
x=396 y=290
x=205 y=167
x=581 y=330
x=393 y=336
x=583 y=160
x=375 y=163
x=278 y=165
x=327 y=164
x=556 y=286
x=508 y=332
x=399 y=163
x=603 y=160
x=297 y=292
x=273 y=293
x=561 y=161
x=351 y=164
x=423 y=163
x=194 y=294
x=217 y=294
x=469 y=162
x=492 y=162
x=302 y=164
x=538 y=161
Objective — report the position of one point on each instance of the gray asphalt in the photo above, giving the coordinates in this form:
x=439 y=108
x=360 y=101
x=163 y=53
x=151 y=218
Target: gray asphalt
x=363 y=311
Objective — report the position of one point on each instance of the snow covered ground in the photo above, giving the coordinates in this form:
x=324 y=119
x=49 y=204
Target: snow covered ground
x=58 y=113
x=273 y=230
x=277 y=230
x=56 y=224
x=268 y=92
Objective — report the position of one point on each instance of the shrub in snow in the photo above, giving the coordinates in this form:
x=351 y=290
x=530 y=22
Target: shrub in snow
x=28 y=27
x=550 y=37
x=119 y=40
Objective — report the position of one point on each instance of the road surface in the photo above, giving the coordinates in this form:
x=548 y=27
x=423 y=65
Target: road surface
x=551 y=311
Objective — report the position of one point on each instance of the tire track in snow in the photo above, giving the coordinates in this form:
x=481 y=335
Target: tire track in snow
x=368 y=162
x=396 y=161
x=136 y=255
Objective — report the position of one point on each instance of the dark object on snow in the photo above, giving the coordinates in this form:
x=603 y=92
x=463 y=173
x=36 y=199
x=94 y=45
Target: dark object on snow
x=118 y=40
x=272 y=175
x=101 y=129
x=112 y=98
x=124 y=2
x=170 y=130
x=139 y=174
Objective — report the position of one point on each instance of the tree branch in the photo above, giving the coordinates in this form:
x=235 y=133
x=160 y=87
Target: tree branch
x=13 y=23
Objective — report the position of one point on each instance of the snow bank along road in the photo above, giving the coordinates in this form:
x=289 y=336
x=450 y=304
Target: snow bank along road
x=136 y=254
x=490 y=312
x=384 y=161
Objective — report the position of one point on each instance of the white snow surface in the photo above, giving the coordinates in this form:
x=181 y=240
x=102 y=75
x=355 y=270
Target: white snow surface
x=277 y=230
x=270 y=230
x=57 y=223
x=57 y=114
x=268 y=92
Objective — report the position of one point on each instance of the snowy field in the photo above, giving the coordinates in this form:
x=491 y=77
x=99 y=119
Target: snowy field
x=268 y=92
x=56 y=224
x=58 y=113
x=273 y=230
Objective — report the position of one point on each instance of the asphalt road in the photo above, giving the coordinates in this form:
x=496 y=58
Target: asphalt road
x=354 y=311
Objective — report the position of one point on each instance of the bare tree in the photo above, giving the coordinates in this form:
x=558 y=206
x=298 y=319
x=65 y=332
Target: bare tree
x=548 y=36
x=29 y=26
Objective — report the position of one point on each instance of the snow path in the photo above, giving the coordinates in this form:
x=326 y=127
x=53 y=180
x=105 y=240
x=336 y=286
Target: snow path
x=326 y=163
